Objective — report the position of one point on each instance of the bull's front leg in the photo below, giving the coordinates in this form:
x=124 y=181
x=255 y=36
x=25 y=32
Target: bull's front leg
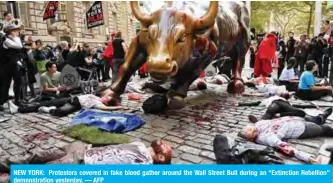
x=189 y=73
x=135 y=58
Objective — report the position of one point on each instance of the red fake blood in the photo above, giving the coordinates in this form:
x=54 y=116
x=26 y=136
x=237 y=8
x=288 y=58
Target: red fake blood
x=212 y=48
x=172 y=14
x=38 y=136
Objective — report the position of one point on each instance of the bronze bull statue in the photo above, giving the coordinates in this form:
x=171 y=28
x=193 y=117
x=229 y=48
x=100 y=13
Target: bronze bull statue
x=177 y=45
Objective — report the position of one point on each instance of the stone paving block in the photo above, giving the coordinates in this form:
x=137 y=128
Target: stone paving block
x=15 y=151
x=179 y=161
x=190 y=150
x=174 y=139
x=134 y=134
x=159 y=134
x=315 y=143
x=208 y=161
x=191 y=158
x=202 y=141
x=177 y=134
x=208 y=154
x=148 y=138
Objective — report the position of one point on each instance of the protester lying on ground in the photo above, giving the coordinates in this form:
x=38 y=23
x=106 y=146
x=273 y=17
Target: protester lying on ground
x=64 y=106
x=307 y=88
x=159 y=152
x=218 y=79
x=278 y=105
x=232 y=150
x=268 y=90
x=288 y=77
x=253 y=82
x=272 y=132
x=50 y=81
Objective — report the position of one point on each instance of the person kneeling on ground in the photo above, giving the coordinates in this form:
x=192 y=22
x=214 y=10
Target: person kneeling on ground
x=307 y=88
x=272 y=132
x=288 y=77
x=50 y=81
x=159 y=152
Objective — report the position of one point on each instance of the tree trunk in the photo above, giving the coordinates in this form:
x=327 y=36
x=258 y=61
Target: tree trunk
x=310 y=21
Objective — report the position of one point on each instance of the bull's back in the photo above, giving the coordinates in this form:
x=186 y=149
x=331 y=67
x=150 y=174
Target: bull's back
x=233 y=18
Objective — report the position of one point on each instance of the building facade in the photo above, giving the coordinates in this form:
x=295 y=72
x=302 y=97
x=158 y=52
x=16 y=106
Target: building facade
x=70 y=23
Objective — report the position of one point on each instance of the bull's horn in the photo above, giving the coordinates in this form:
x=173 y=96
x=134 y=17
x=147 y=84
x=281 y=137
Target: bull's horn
x=209 y=18
x=141 y=16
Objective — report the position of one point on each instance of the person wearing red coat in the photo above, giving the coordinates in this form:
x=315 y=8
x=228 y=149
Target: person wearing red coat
x=108 y=55
x=265 y=55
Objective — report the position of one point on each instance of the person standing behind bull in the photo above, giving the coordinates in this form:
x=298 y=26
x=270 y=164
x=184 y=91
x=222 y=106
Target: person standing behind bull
x=12 y=55
x=301 y=52
x=120 y=50
x=290 y=46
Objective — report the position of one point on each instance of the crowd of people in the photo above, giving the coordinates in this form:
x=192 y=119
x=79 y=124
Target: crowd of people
x=22 y=59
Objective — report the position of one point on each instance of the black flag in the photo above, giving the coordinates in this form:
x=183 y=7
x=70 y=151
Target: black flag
x=50 y=10
x=94 y=15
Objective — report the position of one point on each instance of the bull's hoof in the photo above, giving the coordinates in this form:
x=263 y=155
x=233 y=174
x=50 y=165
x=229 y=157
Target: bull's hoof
x=176 y=102
x=236 y=87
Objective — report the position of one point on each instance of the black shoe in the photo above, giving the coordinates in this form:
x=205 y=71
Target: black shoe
x=2 y=108
x=327 y=113
x=252 y=119
x=315 y=119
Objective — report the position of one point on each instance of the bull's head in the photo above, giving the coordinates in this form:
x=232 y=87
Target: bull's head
x=168 y=36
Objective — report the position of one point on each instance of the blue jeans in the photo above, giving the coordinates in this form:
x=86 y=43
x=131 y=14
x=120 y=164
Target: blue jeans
x=117 y=62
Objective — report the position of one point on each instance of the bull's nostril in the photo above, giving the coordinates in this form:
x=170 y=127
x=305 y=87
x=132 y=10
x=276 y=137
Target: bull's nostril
x=168 y=60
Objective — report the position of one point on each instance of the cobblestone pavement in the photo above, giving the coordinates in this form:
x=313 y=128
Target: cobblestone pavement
x=190 y=130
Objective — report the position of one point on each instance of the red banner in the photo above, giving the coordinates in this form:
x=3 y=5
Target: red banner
x=50 y=10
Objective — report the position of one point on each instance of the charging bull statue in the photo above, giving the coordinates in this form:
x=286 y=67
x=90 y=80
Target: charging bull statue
x=178 y=45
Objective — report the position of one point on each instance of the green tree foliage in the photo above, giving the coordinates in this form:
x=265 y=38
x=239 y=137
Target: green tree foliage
x=296 y=16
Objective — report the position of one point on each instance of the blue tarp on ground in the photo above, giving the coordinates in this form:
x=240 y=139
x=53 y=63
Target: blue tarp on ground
x=108 y=121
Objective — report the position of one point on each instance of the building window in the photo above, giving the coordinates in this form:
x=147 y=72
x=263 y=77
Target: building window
x=24 y=13
x=19 y=10
x=12 y=8
x=115 y=21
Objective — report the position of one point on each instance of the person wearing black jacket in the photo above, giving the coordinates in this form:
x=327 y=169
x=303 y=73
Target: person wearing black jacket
x=316 y=51
x=11 y=59
x=290 y=46
x=282 y=56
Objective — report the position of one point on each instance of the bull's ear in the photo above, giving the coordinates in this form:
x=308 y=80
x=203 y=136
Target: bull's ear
x=209 y=18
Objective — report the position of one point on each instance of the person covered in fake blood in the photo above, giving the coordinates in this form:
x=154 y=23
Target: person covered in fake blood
x=265 y=56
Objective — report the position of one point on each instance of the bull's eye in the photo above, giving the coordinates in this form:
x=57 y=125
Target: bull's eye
x=182 y=39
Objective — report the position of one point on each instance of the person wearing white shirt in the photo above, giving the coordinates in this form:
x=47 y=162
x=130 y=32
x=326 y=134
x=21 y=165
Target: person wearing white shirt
x=288 y=76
